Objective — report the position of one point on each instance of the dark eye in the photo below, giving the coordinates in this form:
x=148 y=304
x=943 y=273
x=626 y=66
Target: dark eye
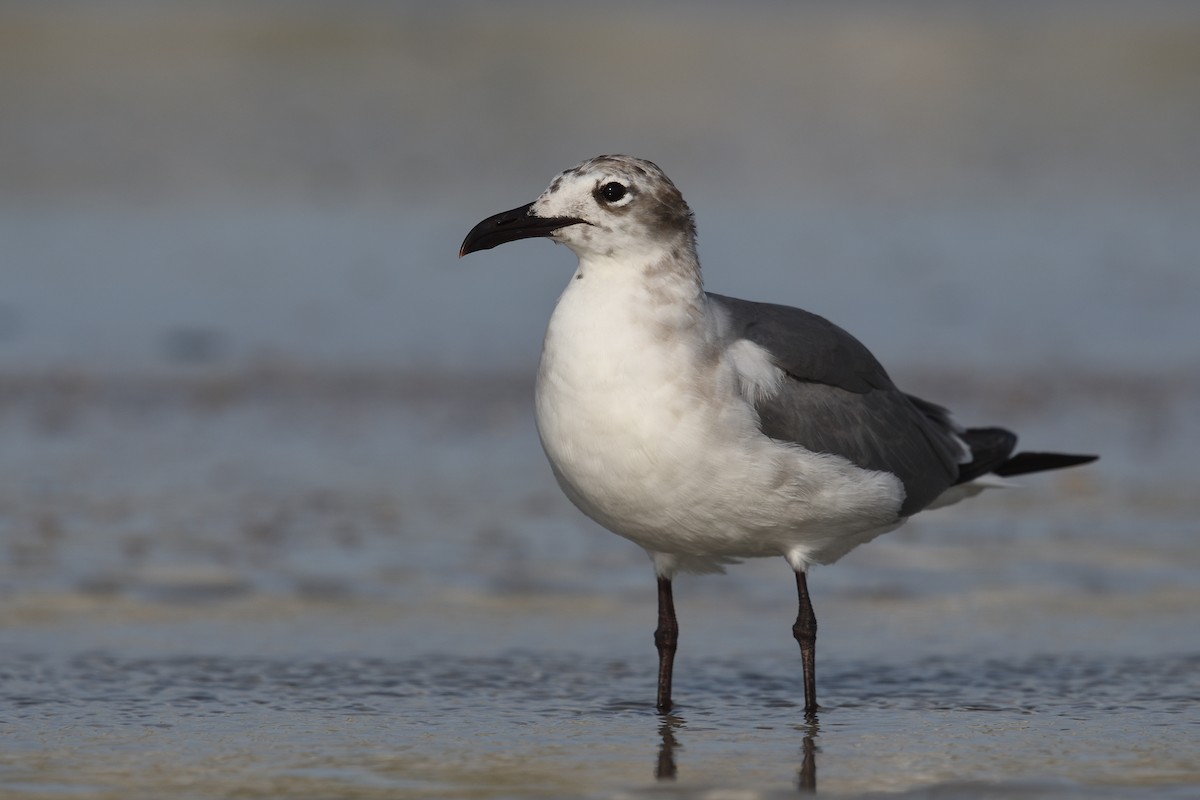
x=612 y=192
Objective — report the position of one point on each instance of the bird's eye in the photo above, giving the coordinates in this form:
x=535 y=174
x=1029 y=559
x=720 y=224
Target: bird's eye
x=612 y=192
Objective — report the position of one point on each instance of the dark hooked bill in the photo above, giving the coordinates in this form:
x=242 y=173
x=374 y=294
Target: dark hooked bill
x=509 y=226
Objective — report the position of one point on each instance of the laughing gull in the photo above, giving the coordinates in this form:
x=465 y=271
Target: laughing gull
x=709 y=429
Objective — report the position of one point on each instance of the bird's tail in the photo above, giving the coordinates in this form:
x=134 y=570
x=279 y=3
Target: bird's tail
x=1039 y=462
x=992 y=452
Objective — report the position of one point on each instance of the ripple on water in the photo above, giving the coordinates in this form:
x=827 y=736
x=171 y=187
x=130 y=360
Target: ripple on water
x=532 y=684
x=532 y=716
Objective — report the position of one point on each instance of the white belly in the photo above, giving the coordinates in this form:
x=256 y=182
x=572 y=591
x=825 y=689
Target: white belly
x=650 y=436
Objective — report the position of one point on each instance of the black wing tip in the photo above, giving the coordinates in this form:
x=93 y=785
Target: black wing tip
x=1023 y=463
x=990 y=448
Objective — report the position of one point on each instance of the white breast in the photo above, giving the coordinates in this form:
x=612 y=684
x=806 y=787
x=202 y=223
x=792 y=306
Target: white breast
x=645 y=419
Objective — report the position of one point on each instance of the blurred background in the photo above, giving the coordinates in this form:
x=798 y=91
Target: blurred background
x=252 y=403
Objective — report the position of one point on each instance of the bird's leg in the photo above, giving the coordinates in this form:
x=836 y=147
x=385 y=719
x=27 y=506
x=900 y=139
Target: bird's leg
x=665 y=638
x=805 y=631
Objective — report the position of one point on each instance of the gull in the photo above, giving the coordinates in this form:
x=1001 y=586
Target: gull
x=709 y=429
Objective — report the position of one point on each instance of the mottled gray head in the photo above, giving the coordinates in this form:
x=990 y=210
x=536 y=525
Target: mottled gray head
x=608 y=207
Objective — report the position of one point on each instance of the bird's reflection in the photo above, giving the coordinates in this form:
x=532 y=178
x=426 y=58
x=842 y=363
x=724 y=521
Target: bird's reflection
x=806 y=776
x=665 y=768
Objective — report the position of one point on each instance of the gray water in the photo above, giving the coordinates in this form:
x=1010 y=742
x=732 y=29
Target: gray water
x=274 y=520
x=296 y=585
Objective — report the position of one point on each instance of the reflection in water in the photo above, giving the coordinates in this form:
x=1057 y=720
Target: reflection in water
x=212 y=712
x=665 y=768
x=806 y=776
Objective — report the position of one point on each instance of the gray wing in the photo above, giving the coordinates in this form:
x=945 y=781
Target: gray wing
x=838 y=399
x=804 y=345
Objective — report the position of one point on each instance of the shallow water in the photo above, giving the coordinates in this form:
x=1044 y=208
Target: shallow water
x=542 y=724
x=236 y=616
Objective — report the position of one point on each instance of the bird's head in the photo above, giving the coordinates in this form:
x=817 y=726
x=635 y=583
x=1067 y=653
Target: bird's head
x=607 y=207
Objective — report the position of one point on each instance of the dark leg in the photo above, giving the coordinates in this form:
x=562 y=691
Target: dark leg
x=665 y=639
x=805 y=631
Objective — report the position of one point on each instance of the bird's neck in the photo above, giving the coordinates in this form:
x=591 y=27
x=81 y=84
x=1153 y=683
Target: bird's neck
x=621 y=330
x=663 y=283
x=616 y=311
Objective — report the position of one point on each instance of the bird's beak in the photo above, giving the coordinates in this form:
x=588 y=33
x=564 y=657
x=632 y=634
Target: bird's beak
x=508 y=226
